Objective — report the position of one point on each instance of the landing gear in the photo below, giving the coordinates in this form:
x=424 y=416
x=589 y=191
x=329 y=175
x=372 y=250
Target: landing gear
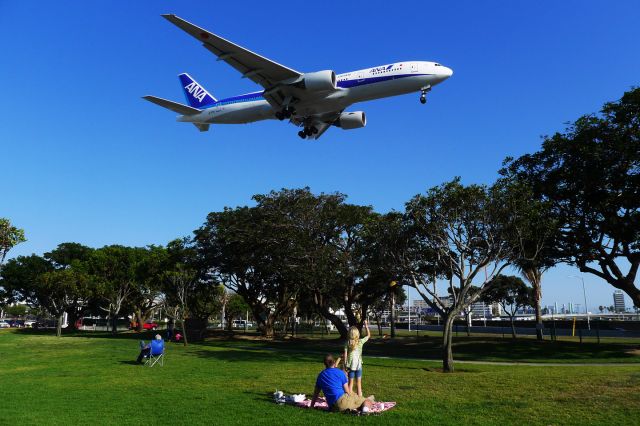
x=308 y=131
x=286 y=112
x=423 y=94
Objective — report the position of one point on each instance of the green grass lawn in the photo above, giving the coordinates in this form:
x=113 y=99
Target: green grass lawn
x=91 y=379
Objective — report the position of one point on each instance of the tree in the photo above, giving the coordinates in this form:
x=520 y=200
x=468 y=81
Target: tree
x=74 y=256
x=60 y=290
x=511 y=293
x=179 y=283
x=17 y=310
x=20 y=279
x=117 y=269
x=10 y=236
x=234 y=308
x=191 y=294
x=534 y=238
x=462 y=234
x=590 y=174
x=146 y=291
x=246 y=249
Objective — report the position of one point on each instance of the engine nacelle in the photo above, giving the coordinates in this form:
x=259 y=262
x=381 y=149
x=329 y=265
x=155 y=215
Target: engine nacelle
x=352 y=120
x=319 y=81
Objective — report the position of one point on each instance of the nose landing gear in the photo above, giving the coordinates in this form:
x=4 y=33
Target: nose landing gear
x=423 y=94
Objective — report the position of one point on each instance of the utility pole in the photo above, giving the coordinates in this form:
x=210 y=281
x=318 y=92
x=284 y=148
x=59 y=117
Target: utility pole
x=393 y=309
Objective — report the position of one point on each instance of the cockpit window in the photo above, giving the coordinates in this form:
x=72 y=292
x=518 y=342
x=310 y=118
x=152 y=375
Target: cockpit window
x=437 y=65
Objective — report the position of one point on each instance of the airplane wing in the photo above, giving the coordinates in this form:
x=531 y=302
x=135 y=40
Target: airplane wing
x=257 y=68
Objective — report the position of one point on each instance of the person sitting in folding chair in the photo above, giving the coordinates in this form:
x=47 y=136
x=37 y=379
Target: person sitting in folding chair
x=153 y=352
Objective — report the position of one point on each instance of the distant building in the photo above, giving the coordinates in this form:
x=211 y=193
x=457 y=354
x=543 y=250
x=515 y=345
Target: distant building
x=481 y=309
x=618 y=301
x=419 y=305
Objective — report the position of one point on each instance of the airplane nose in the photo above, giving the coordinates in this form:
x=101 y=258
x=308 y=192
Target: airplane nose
x=448 y=72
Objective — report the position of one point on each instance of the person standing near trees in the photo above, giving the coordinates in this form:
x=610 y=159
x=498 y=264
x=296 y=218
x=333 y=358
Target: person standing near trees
x=353 y=356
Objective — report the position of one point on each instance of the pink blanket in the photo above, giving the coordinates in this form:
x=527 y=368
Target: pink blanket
x=321 y=404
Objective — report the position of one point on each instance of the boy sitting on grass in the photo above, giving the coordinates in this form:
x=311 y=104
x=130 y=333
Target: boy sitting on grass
x=334 y=384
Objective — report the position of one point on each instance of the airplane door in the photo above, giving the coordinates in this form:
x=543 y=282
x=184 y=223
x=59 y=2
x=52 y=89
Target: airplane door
x=414 y=67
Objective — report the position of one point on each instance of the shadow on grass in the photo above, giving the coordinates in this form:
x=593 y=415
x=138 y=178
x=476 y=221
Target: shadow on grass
x=253 y=355
x=129 y=362
x=480 y=348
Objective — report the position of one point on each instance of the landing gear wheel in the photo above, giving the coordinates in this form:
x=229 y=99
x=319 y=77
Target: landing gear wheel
x=302 y=134
x=279 y=115
x=423 y=94
x=314 y=130
x=286 y=113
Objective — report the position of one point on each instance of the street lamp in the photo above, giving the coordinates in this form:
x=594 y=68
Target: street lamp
x=584 y=293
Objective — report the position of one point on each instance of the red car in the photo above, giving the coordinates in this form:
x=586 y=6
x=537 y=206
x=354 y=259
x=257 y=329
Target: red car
x=150 y=325
x=147 y=325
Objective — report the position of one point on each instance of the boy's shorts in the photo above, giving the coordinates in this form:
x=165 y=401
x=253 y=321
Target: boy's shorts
x=355 y=374
x=348 y=402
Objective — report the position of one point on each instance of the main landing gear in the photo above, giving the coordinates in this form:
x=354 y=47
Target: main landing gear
x=423 y=94
x=308 y=131
x=286 y=112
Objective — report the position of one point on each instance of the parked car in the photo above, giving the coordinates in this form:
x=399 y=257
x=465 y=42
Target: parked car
x=150 y=326
x=241 y=324
x=4 y=324
x=29 y=323
x=16 y=323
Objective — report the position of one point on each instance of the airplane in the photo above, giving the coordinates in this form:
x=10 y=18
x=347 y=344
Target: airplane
x=312 y=101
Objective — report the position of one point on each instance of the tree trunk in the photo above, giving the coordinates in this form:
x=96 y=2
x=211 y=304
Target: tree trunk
x=537 y=296
x=469 y=313
x=59 y=325
x=140 y=320
x=534 y=276
x=447 y=335
x=335 y=320
x=184 y=331
x=267 y=328
x=513 y=328
x=114 y=324
x=379 y=325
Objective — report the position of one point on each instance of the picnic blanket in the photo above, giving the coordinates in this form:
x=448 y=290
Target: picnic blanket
x=321 y=404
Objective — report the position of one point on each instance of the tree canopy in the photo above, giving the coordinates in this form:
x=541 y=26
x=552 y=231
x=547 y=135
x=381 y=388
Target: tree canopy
x=590 y=176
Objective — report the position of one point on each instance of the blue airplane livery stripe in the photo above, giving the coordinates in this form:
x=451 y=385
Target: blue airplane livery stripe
x=371 y=80
x=257 y=96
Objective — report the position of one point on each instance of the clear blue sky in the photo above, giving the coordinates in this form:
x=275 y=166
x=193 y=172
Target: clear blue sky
x=84 y=159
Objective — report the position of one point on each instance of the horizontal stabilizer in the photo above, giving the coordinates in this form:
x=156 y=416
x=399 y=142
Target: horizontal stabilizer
x=203 y=127
x=173 y=106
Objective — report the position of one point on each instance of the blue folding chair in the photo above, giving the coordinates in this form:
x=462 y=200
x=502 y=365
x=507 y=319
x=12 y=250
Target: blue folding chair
x=156 y=353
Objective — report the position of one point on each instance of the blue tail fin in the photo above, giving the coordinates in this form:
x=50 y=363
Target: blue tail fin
x=196 y=95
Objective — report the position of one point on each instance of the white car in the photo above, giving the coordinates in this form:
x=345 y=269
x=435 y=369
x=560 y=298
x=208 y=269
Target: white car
x=29 y=323
x=4 y=324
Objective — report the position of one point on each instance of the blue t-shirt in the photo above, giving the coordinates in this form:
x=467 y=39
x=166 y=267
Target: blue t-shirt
x=331 y=381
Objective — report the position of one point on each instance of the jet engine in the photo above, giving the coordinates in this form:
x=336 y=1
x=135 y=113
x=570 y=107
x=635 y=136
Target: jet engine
x=351 y=120
x=319 y=81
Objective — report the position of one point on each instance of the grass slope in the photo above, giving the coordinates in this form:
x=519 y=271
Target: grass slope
x=91 y=379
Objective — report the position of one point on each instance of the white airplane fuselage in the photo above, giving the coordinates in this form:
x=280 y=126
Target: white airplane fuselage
x=356 y=86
